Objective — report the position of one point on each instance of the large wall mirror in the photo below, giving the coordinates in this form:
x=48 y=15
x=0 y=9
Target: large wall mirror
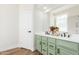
x=66 y=19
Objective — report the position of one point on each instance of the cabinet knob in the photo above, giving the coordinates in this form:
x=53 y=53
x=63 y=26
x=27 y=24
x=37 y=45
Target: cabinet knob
x=29 y=31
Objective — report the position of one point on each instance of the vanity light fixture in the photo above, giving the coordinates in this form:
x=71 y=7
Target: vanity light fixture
x=44 y=8
x=47 y=10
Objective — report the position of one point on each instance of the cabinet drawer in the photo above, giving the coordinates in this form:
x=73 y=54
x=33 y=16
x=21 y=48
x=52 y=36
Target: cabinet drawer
x=68 y=44
x=51 y=52
x=44 y=50
x=44 y=38
x=44 y=43
x=51 y=46
x=63 y=51
x=51 y=40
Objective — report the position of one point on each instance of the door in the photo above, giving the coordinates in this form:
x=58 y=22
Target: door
x=26 y=26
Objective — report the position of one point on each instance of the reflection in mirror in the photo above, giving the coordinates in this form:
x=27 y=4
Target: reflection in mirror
x=61 y=22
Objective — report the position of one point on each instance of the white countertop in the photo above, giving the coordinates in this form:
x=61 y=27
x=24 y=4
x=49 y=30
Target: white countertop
x=73 y=38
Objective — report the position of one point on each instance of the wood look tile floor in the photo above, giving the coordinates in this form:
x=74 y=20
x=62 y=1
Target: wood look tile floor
x=20 y=51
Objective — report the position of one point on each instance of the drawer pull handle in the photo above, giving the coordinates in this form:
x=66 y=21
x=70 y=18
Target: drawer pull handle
x=43 y=43
x=51 y=46
x=50 y=54
x=58 y=51
x=40 y=42
x=44 y=50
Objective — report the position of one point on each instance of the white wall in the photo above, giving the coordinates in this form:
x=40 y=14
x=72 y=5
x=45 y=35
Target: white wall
x=8 y=26
x=15 y=22
x=41 y=21
x=25 y=24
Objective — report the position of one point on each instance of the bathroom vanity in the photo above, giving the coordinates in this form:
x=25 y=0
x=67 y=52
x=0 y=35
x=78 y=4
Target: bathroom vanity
x=56 y=45
x=67 y=20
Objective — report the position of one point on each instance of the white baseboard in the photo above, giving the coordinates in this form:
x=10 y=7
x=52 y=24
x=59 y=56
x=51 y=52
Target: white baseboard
x=8 y=48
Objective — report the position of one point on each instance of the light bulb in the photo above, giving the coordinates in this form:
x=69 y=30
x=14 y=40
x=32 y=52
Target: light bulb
x=44 y=7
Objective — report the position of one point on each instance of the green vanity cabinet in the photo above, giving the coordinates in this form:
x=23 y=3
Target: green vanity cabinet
x=51 y=46
x=64 y=47
x=48 y=46
x=38 y=43
x=44 y=45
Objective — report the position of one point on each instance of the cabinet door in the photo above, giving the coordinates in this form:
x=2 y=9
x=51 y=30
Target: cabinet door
x=38 y=43
x=67 y=44
x=64 y=51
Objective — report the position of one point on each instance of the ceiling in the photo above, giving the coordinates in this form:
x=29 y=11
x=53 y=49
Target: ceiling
x=49 y=7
